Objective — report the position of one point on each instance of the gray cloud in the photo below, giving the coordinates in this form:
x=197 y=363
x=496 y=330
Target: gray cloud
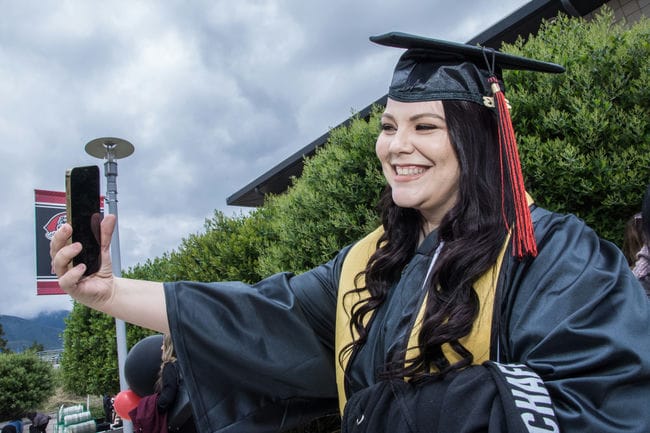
x=211 y=93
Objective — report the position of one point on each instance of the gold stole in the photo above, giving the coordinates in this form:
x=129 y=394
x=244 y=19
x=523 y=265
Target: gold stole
x=477 y=341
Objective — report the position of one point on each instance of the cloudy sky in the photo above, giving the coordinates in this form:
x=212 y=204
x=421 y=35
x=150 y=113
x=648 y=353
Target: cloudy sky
x=211 y=93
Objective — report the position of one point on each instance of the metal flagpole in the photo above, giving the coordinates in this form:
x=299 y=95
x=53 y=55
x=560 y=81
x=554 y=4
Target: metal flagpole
x=111 y=149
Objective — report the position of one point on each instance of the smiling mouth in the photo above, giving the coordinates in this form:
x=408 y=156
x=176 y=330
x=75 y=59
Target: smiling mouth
x=409 y=171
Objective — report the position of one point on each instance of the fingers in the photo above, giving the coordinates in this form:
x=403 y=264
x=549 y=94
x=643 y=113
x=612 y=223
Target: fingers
x=62 y=257
x=61 y=263
x=106 y=228
x=106 y=232
x=88 y=290
x=59 y=239
x=68 y=281
x=61 y=251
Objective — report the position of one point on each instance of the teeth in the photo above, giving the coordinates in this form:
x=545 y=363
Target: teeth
x=409 y=171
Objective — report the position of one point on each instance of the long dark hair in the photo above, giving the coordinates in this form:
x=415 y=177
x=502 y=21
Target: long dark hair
x=473 y=231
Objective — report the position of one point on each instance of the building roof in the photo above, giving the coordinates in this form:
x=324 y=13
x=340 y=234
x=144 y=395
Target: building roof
x=522 y=22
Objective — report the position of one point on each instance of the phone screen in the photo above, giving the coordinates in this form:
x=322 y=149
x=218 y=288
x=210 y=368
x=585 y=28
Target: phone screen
x=84 y=215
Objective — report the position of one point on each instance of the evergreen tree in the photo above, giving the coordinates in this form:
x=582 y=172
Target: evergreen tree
x=3 y=342
x=35 y=347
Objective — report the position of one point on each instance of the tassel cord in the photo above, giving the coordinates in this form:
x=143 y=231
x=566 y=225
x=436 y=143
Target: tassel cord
x=524 y=236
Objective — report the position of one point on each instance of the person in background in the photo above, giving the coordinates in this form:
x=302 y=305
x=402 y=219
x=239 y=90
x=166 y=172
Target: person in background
x=160 y=408
x=469 y=308
x=39 y=422
x=109 y=412
x=168 y=376
x=14 y=426
x=168 y=386
x=633 y=238
x=641 y=268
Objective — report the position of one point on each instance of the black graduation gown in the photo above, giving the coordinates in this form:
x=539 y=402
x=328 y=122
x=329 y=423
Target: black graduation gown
x=259 y=358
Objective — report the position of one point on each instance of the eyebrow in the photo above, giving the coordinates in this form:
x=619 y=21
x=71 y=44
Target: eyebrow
x=416 y=116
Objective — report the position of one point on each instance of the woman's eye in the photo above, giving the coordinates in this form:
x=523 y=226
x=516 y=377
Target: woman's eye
x=425 y=127
x=387 y=127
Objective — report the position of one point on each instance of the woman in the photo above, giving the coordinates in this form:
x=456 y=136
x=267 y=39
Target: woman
x=452 y=316
x=168 y=388
x=167 y=384
x=641 y=265
x=39 y=422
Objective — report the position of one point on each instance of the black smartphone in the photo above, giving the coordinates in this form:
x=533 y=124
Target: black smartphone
x=84 y=214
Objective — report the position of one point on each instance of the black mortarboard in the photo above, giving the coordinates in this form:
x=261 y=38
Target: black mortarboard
x=433 y=69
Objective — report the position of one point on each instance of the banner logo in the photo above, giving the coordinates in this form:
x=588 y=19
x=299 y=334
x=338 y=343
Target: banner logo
x=53 y=224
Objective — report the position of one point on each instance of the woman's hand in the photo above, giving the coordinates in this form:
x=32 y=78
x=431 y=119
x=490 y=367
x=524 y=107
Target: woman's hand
x=95 y=290
x=139 y=302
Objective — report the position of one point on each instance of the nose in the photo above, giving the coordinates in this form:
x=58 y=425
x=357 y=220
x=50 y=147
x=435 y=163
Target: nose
x=400 y=142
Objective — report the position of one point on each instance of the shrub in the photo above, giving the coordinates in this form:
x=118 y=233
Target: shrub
x=26 y=382
x=584 y=136
x=330 y=205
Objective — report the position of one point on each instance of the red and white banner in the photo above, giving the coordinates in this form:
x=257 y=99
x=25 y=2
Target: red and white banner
x=50 y=214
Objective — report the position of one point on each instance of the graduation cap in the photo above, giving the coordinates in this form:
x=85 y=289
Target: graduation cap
x=432 y=70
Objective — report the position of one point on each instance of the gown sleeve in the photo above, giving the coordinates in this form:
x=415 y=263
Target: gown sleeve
x=577 y=316
x=257 y=358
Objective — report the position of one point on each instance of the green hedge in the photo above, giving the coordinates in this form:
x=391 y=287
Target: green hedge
x=584 y=136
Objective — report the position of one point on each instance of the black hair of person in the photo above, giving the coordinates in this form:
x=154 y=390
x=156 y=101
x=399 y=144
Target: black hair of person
x=437 y=70
x=492 y=198
x=473 y=232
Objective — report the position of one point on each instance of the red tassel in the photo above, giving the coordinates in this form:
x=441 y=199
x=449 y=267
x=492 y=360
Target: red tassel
x=523 y=239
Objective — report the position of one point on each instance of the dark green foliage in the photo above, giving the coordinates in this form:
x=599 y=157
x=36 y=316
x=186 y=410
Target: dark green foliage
x=26 y=382
x=89 y=362
x=35 y=347
x=584 y=136
x=228 y=250
x=331 y=205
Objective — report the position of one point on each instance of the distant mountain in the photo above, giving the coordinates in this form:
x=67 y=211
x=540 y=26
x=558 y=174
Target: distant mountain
x=46 y=329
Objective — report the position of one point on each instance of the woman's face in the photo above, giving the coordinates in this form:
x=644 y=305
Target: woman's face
x=418 y=159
